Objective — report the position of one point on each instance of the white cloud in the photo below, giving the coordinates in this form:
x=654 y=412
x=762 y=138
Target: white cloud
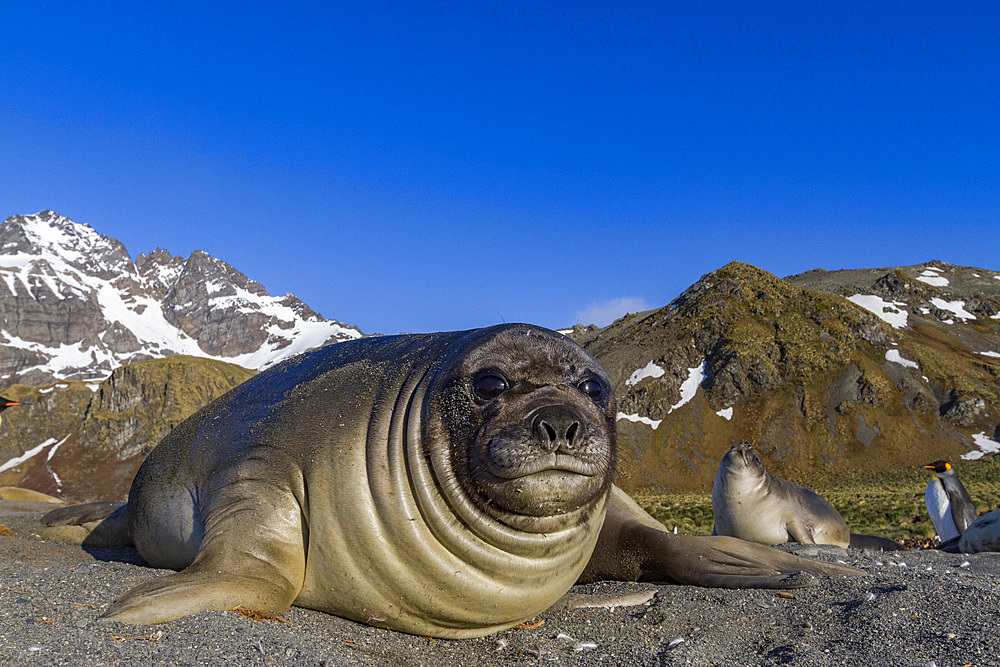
x=603 y=314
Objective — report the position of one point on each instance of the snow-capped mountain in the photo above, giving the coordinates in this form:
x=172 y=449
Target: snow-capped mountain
x=74 y=305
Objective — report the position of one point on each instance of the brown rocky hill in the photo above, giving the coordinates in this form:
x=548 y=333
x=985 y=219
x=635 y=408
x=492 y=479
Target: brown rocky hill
x=823 y=386
x=85 y=441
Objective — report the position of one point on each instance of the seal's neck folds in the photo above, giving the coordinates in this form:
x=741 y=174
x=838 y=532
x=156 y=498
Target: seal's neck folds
x=460 y=560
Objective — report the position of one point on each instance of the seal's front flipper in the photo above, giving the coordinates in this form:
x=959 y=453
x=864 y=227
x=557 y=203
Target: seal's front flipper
x=92 y=524
x=260 y=570
x=801 y=531
x=190 y=592
x=635 y=547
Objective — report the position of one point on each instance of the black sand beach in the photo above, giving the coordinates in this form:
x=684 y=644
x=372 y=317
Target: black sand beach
x=913 y=608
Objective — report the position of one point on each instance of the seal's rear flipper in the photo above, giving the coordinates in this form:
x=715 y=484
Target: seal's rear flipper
x=93 y=524
x=951 y=546
x=635 y=547
x=874 y=543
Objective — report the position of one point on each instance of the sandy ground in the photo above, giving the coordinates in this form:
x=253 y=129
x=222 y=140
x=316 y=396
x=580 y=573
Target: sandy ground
x=913 y=608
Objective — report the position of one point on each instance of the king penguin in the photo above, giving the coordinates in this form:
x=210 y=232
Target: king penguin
x=948 y=503
x=7 y=403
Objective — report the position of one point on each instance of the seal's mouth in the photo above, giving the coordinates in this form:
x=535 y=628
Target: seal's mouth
x=552 y=437
x=531 y=465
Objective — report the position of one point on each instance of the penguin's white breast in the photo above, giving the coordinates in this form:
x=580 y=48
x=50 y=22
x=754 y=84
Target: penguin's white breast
x=939 y=508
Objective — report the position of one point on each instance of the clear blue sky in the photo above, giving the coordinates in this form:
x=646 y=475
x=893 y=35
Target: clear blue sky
x=435 y=166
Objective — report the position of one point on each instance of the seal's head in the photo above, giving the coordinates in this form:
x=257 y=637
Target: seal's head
x=742 y=458
x=741 y=469
x=530 y=416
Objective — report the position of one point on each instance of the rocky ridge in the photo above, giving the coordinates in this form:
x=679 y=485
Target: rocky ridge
x=74 y=306
x=84 y=441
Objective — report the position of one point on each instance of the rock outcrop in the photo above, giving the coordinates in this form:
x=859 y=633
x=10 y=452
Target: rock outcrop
x=84 y=442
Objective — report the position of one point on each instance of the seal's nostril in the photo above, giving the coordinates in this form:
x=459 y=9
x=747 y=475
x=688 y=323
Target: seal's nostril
x=549 y=431
x=571 y=431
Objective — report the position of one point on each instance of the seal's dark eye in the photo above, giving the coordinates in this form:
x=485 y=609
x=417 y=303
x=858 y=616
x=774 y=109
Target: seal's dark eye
x=591 y=388
x=490 y=386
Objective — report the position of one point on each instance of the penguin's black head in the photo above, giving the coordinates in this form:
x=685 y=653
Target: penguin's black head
x=7 y=403
x=939 y=466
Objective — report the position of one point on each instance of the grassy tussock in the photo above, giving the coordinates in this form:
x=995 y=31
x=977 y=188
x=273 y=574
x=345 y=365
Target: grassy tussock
x=890 y=505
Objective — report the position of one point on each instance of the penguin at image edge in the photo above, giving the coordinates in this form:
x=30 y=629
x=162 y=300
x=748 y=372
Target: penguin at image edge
x=7 y=403
x=948 y=503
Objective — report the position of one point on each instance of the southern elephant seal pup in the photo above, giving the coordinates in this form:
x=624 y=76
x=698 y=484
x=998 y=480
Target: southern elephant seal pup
x=450 y=484
x=983 y=534
x=750 y=503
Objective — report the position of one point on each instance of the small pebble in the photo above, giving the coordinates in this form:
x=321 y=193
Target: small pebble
x=950 y=635
x=677 y=641
x=965 y=563
x=869 y=597
x=563 y=635
x=501 y=644
x=584 y=646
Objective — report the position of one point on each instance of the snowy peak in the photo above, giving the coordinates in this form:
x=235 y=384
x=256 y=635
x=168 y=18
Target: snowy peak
x=73 y=305
x=50 y=237
x=159 y=270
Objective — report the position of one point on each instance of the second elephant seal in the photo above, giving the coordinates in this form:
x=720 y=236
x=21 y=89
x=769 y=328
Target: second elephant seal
x=750 y=503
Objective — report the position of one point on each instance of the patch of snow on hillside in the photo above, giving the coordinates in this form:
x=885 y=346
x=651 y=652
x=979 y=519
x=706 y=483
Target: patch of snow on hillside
x=55 y=447
x=989 y=354
x=889 y=312
x=34 y=451
x=641 y=420
x=690 y=386
x=957 y=307
x=650 y=370
x=932 y=276
x=565 y=332
x=61 y=358
x=305 y=334
x=726 y=414
x=895 y=357
x=986 y=446
x=149 y=326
